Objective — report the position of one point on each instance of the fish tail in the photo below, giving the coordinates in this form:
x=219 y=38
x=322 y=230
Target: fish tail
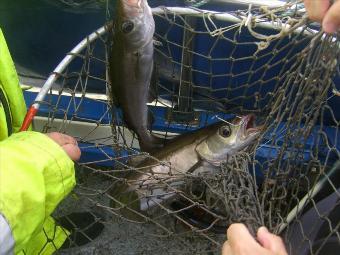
x=153 y=88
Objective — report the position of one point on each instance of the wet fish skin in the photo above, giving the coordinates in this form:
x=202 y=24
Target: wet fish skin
x=131 y=66
x=199 y=151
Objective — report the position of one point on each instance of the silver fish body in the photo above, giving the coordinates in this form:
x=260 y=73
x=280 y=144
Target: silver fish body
x=131 y=66
x=200 y=151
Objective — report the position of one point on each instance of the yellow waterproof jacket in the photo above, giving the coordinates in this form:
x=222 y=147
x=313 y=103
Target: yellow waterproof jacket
x=35 y=174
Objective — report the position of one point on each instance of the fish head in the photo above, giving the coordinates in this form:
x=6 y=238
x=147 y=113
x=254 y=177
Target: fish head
x=134 y=23
x=228 y=139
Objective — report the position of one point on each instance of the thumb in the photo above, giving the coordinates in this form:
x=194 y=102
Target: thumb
x=331 y=21
x=270 y=241
x=72 y=151
x=316 y=9
x=238 y=235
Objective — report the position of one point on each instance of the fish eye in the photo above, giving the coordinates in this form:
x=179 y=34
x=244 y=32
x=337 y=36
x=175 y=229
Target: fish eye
x=127 y=27
x=225 y=131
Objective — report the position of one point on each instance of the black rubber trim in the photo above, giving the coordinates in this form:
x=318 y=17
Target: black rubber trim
x=5 y=105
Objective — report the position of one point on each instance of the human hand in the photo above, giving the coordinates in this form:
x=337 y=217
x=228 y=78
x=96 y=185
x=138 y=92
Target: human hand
x=241 y=242
x=322 y=11
x=68 y=143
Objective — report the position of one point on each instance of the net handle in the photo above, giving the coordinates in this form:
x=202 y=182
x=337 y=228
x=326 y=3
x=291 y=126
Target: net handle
x=308 y=197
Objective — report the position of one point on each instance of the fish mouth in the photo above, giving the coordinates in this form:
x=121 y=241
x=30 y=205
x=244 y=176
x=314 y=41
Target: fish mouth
x=248 y=126
x=133 y=8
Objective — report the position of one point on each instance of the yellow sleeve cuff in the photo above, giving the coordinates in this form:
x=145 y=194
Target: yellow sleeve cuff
x=35 y=175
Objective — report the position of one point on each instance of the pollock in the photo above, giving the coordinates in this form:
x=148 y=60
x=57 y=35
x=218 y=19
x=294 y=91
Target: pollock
x=195 y=152
x=131 y=66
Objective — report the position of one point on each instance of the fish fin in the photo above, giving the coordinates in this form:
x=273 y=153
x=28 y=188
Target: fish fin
x=151 y=144
x=194 y=167
x=153 y=87
x=113 y=88
x=151 y=119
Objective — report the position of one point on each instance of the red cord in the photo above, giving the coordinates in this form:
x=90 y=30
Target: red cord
x=28 y=118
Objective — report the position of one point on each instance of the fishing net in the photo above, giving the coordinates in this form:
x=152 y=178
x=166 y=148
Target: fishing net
x=211 y=66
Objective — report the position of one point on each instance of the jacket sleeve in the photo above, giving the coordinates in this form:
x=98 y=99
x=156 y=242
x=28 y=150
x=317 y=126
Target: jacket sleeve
x=10 y=84
x=35 y=175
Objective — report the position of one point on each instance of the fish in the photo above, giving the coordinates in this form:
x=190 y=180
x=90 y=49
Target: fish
x=131 y=67
x=160 y=177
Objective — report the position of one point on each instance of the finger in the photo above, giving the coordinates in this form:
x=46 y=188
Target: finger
x=72 y=151
x=270 y=241
x=331 y=22
x=68 y=139
x=317 y=9
x=238 y=235
x=226 y=250
x=62 y=139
